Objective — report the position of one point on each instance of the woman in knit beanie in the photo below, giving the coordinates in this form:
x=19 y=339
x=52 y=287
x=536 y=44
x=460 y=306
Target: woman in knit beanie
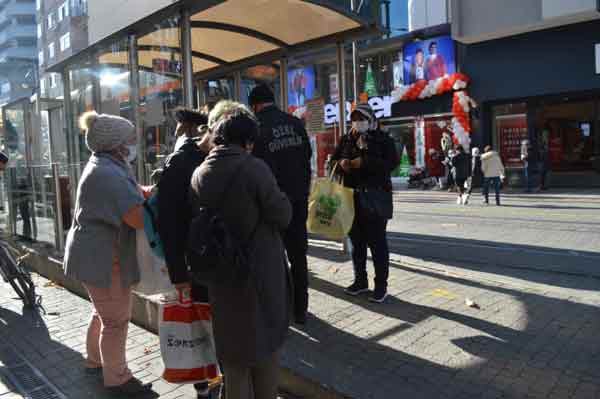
x=101 y=246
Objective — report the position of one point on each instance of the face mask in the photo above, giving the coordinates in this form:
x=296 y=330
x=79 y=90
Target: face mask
x=132 y=153
x=360 y=126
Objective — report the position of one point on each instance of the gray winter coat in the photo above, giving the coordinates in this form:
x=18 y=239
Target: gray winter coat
x=107 y=191
x=250 y=319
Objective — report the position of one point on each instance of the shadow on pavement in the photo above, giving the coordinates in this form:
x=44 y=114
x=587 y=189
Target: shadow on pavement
x=60 y=364
x=427 y=352
x=508 y=259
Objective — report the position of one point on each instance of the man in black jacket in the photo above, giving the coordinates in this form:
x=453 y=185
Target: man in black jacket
x=284 y=145
x=174 y=211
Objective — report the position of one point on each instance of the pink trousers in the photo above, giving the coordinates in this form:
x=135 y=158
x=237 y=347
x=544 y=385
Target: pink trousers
x=107 y=332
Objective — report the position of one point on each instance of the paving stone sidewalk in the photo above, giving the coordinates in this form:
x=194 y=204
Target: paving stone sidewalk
x=524 y=340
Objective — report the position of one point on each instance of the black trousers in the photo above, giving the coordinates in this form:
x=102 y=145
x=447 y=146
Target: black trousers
x=370 y=232
x=295 y=239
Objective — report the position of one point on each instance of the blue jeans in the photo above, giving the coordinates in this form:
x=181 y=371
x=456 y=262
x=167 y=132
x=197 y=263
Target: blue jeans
x=495 y=181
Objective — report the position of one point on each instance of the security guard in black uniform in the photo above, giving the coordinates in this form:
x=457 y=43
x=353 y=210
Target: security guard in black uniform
x=284 y=145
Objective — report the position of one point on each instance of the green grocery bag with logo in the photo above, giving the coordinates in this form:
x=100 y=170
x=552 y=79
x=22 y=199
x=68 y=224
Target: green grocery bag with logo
x=330 y=209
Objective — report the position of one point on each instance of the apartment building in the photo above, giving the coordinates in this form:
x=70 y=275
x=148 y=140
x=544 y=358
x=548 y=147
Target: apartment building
x=17 y=49
x=62 y=31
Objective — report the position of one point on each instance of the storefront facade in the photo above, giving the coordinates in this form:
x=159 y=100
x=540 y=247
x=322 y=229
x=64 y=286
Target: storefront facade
x=544 y=87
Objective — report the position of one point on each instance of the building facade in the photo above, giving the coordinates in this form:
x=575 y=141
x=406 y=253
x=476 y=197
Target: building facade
x=62 y=30
x=535 y=70
x=17 y=49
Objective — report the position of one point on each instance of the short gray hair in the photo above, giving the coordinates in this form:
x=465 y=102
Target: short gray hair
x=232 y=123
x=227 y=107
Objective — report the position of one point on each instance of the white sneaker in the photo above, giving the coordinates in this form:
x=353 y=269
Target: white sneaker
x=466 y=199
x=459 y=200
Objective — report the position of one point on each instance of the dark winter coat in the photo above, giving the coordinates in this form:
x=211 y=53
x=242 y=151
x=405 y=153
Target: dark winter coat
x=250 y=319
x=461 y=166
x=284 y=145
x=379 y=159
x=175 y=212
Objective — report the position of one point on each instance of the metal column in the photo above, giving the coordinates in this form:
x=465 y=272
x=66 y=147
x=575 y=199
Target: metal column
x=134 y=95
x=60 y=239
x=237 y=79
x=341 y=70
x=355 y=61
x=186 y=56
x=283 y=83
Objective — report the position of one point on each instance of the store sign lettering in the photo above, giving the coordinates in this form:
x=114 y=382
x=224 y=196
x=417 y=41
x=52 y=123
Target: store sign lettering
x=382 y=106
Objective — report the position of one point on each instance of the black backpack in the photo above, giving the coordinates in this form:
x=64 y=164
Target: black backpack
x=213 y=253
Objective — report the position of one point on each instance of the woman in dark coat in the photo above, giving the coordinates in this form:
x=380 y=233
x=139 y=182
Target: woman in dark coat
x=250 y=317
x=366 y=157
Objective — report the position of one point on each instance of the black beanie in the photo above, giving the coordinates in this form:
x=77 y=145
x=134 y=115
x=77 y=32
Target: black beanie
x=184 y=115
x=261 y=94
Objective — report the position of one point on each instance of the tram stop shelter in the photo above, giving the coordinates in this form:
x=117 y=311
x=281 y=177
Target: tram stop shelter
x=147 y=57
x=175 y=55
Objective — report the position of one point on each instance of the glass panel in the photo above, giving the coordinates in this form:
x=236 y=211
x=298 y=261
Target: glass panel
x=261 y=74
x=403 y=135
x=31 y=196
x=84 y=88
x=161 y=82
x=567 y=135
x=212 y=91
x=14 y=134
x=113 y=76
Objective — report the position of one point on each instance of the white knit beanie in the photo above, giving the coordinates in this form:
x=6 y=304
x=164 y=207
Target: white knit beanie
x=104 y=132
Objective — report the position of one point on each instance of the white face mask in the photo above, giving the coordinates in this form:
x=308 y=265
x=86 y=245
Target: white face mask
x=360 y=126
x=132 y=153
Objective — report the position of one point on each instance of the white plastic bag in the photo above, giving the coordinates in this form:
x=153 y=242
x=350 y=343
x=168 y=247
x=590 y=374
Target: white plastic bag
x=187 y=343
x=154 y=276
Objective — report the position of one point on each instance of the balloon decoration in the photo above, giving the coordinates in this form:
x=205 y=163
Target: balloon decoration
x=461 y=104
x=423 y=89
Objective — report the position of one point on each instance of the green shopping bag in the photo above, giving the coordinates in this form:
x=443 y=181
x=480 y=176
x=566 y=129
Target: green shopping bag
x=330 y=209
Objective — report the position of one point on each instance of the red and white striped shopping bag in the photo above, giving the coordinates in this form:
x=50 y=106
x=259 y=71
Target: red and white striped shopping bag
x=187 y=342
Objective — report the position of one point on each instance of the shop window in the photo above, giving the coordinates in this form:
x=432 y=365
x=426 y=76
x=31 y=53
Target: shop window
x=509 y=131
x=568 y=135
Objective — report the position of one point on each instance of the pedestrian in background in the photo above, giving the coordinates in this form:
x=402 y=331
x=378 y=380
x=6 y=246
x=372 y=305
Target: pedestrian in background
x=284 y=145
x=493 y=173
x=476 y=174
x=544 y=158
x=250 y=316
x=101 y=246
x=367 y=157
x=460 y=172
x=526 y=157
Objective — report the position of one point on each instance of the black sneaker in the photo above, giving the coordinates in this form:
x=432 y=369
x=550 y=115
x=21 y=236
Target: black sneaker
x=132 y=388
x=378 y=296
x=357 y=288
